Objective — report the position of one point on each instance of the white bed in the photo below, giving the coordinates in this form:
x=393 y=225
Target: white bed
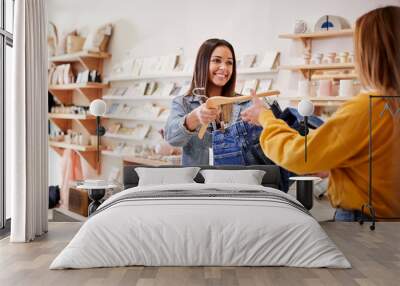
x=257 y=226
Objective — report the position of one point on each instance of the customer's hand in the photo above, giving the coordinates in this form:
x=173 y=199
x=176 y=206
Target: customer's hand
x=206 y=115
x=252 y=113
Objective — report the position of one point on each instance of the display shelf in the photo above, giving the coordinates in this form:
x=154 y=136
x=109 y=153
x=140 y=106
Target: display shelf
x=319 y=101
x=64 y=93
x=122 y=137
x=335 y=76
x=257 y=71
x=112 y=154
x=138 y=98
x=75 y=57
x=143 y=161
x=70 y=116
x=63 y=96
x=88 y=60
x=75 y=86
x=76 y=147
x=87 y=152
x=183 y=75
x=63 y=121
x=319 y=67
x=157 y=120
x=318 y=35
x=309 y=70
x=316 y=98
x=307 y=38
x=134 y=159
x=154 y=76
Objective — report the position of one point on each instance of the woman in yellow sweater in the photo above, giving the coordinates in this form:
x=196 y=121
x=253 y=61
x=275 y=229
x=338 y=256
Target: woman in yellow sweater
x=341 y=144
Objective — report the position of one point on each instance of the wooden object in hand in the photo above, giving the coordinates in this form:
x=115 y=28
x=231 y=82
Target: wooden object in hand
x=215 y=101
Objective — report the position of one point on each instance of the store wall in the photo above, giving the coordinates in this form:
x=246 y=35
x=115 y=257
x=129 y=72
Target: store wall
x=158 y=27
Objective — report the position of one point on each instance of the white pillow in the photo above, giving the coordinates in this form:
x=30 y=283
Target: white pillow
x=248 y=177
x=166 y=176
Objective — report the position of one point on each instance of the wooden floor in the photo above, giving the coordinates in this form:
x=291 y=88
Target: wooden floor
x=375 y=257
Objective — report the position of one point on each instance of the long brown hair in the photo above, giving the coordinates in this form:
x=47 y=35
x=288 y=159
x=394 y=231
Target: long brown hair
x=201 y=69
x=377 y=49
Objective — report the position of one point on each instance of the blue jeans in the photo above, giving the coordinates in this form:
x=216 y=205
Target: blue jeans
x=349 y=215
x=239 y=145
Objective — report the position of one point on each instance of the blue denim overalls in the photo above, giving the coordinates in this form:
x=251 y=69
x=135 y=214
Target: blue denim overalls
x=239 y=143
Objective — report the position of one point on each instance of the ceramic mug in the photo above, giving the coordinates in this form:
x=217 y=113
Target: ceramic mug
x=346 y=88
x=325 y=88
x=343 y=56
x=317 y=58
x=331 y=57
x=304 y=88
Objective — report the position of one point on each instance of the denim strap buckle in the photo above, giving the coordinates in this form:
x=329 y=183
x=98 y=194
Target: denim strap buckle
x=222 y=126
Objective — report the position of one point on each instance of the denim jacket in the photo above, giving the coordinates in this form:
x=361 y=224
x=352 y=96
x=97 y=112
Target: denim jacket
x=195 y=151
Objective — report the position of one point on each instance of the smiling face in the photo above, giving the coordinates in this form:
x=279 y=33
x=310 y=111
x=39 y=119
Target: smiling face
x=221 y=66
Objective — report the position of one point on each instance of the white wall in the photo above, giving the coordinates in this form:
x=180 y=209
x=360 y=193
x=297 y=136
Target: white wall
x=157 y=27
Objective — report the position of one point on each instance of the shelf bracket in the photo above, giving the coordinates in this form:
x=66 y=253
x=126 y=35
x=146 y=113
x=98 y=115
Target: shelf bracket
x=91 y=63
x=91 y=158
x=307 y=73
x=59 y=151
x=88 y=124
x=64 y=96
x=62 y=124
x=307 y=44
x=90 y=93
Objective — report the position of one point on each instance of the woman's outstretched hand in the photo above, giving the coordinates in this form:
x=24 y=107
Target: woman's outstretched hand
x=200 y=116
x=206 y=115
x=252 y=113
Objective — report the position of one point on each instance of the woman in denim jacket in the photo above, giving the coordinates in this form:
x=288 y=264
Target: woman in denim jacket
x=215 y=75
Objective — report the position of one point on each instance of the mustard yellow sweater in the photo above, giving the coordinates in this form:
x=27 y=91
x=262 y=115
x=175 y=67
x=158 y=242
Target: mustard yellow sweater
x=340 y=146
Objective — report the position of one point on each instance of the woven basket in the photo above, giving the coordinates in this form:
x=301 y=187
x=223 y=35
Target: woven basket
x=74 y=44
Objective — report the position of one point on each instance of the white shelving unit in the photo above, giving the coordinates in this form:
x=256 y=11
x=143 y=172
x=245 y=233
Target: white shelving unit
x=135 y=159
x=184 y=75
x=79 y=56
x=155 y=120
x=319 y=101
x=139 y=98
x=176 y=77
x=67 y=94
x=333 y=71
x=155 y=76
x=257 y=71
x=121 y=137
x=112 y=154
x=316 y=98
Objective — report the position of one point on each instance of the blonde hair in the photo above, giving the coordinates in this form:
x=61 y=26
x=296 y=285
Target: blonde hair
x=377 y=49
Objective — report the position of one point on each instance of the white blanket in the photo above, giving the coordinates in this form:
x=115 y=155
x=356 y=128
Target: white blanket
x=183 y=231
